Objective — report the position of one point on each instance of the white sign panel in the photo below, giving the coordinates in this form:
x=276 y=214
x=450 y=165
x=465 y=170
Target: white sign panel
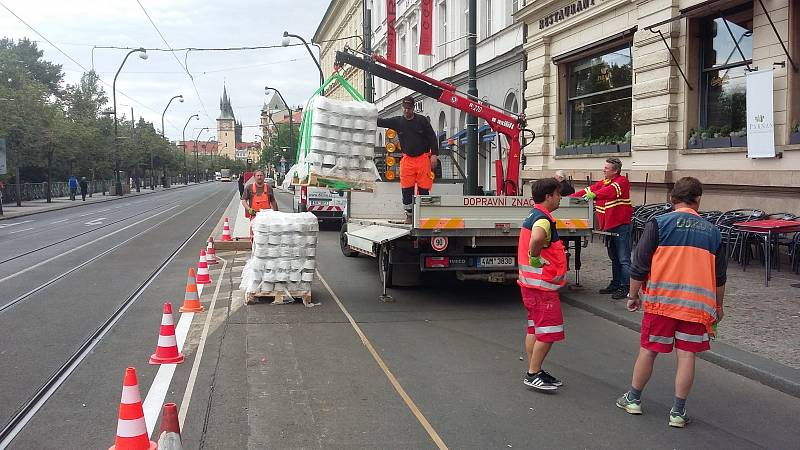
x=760 y=122
x=3 y=167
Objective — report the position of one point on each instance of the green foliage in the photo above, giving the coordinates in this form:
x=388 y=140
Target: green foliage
x=279 y=146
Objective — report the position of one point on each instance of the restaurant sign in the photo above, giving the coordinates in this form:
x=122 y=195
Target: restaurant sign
x=760 y=112
x=566 y=12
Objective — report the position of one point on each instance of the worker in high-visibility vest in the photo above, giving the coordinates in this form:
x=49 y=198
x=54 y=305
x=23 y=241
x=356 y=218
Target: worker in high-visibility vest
x=542 y=266
x=614 y=213
x=258 y=197
x=420 y=148
x=679 y=270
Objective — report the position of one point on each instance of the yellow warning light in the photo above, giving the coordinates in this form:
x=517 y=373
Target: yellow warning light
x=390 y=147
x=390 y=161
x=391 y=134
x=390 y=176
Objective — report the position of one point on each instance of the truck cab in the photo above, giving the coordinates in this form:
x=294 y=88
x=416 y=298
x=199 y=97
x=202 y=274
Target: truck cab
x=327 y=204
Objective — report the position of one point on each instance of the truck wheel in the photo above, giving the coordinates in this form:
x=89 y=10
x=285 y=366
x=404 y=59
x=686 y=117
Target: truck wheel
x=346 y=251
x=385 y=267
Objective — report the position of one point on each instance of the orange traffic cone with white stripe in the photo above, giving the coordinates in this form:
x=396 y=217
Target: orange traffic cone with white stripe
x=211 y=252
x=167 y=349
x=170 y=438
x=203 y=277
x=191 y=301
x=131 y=427
x=226 y=231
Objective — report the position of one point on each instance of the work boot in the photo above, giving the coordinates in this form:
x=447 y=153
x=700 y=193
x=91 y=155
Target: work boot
x=610 y=289
x=620 y=293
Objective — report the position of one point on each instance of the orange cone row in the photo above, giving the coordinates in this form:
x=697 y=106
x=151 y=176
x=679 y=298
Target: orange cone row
x=203 y=277
x=131 y=428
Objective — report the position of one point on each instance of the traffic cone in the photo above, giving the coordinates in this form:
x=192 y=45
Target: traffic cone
x=191 y=301
x=203 y=277
x=211 y=252
x=226 y=231
x=170 y=438
x=167 y=349
x=131 y=427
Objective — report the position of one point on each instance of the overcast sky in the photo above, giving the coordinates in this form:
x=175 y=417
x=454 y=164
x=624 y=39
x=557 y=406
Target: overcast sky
x=75 y=26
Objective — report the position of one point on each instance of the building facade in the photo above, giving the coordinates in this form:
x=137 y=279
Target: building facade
x=661 y=84
x=342 y=25
x=500 y=62
x=226 y=127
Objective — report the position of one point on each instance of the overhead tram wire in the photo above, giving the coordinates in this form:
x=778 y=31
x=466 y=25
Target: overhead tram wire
x=71 y=58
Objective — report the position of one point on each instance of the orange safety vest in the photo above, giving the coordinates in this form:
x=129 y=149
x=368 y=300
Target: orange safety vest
x=551 y=276
x=682 y=279
x=260 y=202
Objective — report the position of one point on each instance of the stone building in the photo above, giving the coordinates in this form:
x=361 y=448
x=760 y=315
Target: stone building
x=341 y=26
x=661 y=84
x=227 y=128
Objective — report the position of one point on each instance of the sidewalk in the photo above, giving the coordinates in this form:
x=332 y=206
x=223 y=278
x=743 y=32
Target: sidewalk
x=758 y=337
x=12 y=211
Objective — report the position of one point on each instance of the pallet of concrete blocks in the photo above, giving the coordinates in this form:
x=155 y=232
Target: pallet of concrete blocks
x=282 y=265
x=337 y=144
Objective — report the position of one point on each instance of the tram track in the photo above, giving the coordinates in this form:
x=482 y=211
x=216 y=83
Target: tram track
x=34 y=403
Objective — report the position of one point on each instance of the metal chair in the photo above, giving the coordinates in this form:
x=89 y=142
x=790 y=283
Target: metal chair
x=730 y=235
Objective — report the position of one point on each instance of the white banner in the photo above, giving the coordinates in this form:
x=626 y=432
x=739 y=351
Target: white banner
x=760 y=122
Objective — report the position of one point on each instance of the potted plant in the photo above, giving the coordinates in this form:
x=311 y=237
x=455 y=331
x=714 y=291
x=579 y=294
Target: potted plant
x=604 y=145
x=739 y=138
x=582 y=147
x=713 y=137
x=694 y=139
x=794 y=138
x=624 y=144
x=566 y=148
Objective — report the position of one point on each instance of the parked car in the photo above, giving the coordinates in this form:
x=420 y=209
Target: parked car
x=270 y=182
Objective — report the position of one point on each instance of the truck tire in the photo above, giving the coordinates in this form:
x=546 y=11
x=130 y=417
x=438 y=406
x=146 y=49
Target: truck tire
x=385 y=267
x=346 y=251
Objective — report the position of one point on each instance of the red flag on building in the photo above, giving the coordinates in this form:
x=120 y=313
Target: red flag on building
x=426 y=26
x=391 y=34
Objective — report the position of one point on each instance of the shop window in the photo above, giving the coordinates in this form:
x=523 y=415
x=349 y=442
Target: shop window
x=724 y=67
x=599 y=89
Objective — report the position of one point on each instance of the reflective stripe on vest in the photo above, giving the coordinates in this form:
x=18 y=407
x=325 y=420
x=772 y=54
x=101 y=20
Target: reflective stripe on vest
x=682 y=280
x=551 y=276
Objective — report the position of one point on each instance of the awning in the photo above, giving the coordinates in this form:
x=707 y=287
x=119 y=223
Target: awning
x=705 y=8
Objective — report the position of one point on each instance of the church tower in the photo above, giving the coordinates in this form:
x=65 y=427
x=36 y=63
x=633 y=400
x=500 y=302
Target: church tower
x=226 y=127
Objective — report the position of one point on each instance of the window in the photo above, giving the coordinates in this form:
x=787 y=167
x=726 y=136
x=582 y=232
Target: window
x=723 y=95
x=486 y=30
x=401 y=57
x=462 y=42
x=511 y=103
x=441 y=47
x=599 y=95
x=414 y=47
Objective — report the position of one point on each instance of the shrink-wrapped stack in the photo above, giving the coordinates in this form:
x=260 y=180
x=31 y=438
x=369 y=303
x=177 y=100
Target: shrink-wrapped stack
x=284 y=254
x=338 y=141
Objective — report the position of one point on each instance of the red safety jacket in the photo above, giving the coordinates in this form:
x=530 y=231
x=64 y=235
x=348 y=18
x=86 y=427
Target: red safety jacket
x=549 y=277
x=682 y=279
x=612 y=203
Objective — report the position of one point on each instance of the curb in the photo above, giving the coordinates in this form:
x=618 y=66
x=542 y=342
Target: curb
x=109 y=199
x=766 y=371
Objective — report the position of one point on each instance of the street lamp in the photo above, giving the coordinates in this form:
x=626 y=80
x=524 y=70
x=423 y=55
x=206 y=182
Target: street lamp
x=183 y=142
x=142 y=54
x=291 y=114
x=285 y=42
x=163 y=131
x=196 y=152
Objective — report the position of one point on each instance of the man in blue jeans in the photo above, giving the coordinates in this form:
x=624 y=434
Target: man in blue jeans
x=612 y=197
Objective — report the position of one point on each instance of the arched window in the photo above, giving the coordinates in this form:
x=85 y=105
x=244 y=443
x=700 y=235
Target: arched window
x=511 y=103
x=442 y=122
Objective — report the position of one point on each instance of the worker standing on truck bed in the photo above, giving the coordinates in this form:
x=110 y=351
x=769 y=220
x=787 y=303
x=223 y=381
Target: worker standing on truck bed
x=420 y=148
x=542 y=271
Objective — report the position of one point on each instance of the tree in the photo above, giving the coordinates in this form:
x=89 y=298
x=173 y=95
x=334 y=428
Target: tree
x=26 y=53
x=279 y=146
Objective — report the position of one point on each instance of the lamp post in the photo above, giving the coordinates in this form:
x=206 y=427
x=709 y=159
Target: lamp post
x=291 y=114
x=183 y=143
x=163 y=131
x=196 y=152
x=142 y=54
x=285 y=42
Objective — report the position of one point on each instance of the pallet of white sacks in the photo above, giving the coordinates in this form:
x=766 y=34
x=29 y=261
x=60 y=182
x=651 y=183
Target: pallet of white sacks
x=278 y=297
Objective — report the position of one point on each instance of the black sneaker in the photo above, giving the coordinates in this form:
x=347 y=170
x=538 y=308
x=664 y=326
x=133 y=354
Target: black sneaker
x=540 y=382
x=553 y=380
x=620 y=293
x=609 y=290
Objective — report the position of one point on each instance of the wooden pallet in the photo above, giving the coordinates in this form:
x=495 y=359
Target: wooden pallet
x=314 y=179
x=278 y=297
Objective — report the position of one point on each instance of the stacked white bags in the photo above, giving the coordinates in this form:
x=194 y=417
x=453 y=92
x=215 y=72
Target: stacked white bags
x=342 y=140
x=284 y=250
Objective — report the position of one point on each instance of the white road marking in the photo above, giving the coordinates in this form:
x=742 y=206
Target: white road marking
x=48 y=260
x=59 y=221
x=6 y=225
x=97 y=221
x=87 y=214
x=20 y=231
x=158 y=390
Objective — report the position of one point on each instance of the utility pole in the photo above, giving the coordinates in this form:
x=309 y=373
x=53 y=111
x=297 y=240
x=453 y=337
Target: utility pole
x=471 y=188
x=367 y=30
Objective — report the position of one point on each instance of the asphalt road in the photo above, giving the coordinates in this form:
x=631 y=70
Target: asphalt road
x=293 y=377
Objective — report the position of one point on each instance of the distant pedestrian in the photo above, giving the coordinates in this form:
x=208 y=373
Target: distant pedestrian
x=73 y=187
x=84 y=188
x=680 y=267
x=241 y=185
x=539 y=281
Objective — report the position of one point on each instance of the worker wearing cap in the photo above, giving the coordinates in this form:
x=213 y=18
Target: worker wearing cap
x=420 y=148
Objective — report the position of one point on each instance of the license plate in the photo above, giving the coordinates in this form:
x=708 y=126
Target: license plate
x=318 y=202
x=496 y=261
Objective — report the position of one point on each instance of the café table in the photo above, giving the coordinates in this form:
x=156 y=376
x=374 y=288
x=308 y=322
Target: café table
x=771 y=228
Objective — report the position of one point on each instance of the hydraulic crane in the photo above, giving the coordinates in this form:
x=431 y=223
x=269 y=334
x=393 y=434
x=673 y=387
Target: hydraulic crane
x=510 y=125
